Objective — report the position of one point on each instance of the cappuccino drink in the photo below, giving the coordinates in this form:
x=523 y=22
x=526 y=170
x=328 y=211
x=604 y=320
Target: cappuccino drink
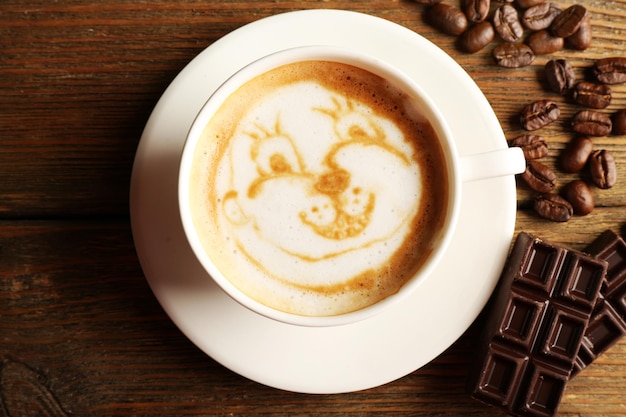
x=318 y=188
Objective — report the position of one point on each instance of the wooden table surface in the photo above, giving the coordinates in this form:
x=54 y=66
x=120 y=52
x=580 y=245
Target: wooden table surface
x=81 y=333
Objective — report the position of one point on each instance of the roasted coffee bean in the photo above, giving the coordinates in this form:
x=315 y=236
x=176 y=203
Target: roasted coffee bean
x=560 y=75
x=581 y=40
x=476 y=10
x=610 y=70
x=579 y=195
x=541 y=16
x=539 y=177
x=477 y=37
x=525 y=4
x=602 y=169
x=428 y=1
x=553 y=207
x=513 y=55
x=538 y=114
x=568 y=21
x=596 y=96
x=447 y=19
x=619 y=122
x=507 y=23
x=592 y=123
x=575 y=155
x=543 y=42
x=533 y=146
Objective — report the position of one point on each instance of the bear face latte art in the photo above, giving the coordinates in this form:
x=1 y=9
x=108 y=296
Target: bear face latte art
x=318 y=188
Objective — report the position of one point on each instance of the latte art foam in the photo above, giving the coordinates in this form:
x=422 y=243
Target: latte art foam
x=317 y=189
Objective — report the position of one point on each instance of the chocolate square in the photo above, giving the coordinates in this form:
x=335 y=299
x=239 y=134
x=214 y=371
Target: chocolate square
x=544 y=390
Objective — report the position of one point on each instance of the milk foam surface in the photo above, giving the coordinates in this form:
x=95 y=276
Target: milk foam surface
x=313 y=190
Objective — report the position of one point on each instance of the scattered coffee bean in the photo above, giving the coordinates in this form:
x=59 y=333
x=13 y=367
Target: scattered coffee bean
x=579 y=195
x=507 y=23
x=543 y=42
x=540 y=16
x=596 y=96
x=553 y=207
x=610 y=70
x=539 y=114
x=477 y=37
x=525 y=4
x=575 y=155
x=603 y=169
x=447 y=19
x=552 y=29
x=592 y=123
x=560 y=75
x=568 y=21
x=539 y=177
x=533 y=146
x=581 y=40
x=619 y=122
x=476 y=10
x=513 y=55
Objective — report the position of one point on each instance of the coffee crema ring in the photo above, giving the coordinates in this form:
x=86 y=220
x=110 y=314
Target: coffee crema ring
x=314 y=180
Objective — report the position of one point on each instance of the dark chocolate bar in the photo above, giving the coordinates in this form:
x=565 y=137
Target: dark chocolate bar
x=608 y=321
x=535 y=326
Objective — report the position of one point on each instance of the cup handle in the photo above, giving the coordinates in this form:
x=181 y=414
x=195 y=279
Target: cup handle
x=498 y=163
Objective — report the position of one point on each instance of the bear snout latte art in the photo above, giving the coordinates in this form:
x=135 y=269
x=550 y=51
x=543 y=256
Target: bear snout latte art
x=317 y=188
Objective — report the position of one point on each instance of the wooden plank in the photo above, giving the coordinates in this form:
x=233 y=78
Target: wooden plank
x=81 y=327
x=79 y=80
x=81 y=330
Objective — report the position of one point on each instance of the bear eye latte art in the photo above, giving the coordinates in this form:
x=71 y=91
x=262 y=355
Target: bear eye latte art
x=317 y=188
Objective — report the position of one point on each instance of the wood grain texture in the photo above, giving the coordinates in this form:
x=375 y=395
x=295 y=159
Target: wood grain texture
x=80 y=331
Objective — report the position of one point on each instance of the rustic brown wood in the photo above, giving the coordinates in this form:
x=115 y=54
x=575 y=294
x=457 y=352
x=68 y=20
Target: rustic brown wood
x=80 y=331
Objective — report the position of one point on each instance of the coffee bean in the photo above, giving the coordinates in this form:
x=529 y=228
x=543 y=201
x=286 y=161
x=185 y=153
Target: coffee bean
x=581 y=40
x=477 y=37
x=568 y=21
x=539 y=177
x=476 y=10
x=513 y=55
x=579 y=195
x=560 y=75
x=533 y=146
x=507 y=23
x=539 y=114
x=553 y=207
x=428 y=1
x=592 y=123
x=619 y=122
x=596 y=96
x=541 y=16
x=603 y=169
x=447 y=19
x=543 y=42
x=610 y=70
x=575 y=155
x=525 y=4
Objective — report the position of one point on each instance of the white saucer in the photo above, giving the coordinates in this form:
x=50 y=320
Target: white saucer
x=337 y=359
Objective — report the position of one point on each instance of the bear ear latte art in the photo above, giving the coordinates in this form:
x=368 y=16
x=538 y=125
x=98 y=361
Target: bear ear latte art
x=318 y=188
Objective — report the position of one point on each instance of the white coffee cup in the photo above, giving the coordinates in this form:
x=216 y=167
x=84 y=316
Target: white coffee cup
x=460 y=169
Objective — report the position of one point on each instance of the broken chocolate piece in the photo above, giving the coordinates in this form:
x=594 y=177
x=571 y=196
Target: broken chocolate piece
x=535 y=326
x=608 y=321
